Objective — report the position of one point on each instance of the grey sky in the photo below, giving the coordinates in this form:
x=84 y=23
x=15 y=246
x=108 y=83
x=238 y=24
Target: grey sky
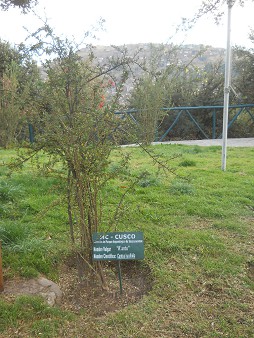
x=130 y=21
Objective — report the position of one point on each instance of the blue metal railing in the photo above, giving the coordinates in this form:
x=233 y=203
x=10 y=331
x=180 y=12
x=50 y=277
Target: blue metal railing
x=241 y=108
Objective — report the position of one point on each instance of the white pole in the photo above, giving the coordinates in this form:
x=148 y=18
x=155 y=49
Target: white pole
x=226 y=89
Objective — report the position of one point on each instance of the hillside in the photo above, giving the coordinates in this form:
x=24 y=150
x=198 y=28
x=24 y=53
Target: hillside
x=198 y=55
x=184 y=53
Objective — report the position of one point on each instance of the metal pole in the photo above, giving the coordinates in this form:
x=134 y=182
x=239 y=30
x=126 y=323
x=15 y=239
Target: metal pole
x=120 y=276
x=226 y=89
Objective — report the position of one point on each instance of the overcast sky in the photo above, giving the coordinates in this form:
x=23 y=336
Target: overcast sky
x=132 y=21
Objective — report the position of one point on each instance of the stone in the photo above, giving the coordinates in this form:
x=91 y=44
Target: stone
x=41 y=286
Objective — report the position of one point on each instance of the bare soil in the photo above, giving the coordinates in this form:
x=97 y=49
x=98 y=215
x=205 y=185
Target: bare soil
x=88 y=294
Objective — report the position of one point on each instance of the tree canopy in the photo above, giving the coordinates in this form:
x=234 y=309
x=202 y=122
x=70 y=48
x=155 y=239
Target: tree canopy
x=25 y=5
x=215 y=7
x=18 y=77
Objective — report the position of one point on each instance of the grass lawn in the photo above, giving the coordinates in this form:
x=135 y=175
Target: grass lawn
x=198 y=225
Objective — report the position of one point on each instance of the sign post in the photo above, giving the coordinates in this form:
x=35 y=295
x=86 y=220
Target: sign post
x=120 y=277
x=118 y=246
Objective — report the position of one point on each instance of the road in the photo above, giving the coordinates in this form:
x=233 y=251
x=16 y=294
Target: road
x=231 y=142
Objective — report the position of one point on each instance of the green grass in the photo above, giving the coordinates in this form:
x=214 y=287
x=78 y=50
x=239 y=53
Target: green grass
x=33 y=314
x=199 y=234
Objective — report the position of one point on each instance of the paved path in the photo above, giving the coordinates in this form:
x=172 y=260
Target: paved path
x=231 y=142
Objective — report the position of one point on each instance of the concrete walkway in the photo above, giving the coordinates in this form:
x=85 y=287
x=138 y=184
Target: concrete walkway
x=231 y=142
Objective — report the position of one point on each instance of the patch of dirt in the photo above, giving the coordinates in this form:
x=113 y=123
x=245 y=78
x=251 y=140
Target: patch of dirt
x=88 y=295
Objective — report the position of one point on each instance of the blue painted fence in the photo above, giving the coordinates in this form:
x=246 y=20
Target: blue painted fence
x=237 y=110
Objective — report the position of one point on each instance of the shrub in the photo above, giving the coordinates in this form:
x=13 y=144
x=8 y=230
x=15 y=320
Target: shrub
x=12 y=234
x=181 y=188
x=187 y=163
x=8 y=192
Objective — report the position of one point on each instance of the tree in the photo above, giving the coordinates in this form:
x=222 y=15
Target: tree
x=147 y=98
x=168 y=81
x=243 y=74
x=25 y=5
x=76 y=126
x=243 y=87
x=214 y=7
x=152 y=90
x=8 y=54
x=18 y=78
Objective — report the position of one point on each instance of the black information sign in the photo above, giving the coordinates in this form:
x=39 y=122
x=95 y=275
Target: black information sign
x=115 y=246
